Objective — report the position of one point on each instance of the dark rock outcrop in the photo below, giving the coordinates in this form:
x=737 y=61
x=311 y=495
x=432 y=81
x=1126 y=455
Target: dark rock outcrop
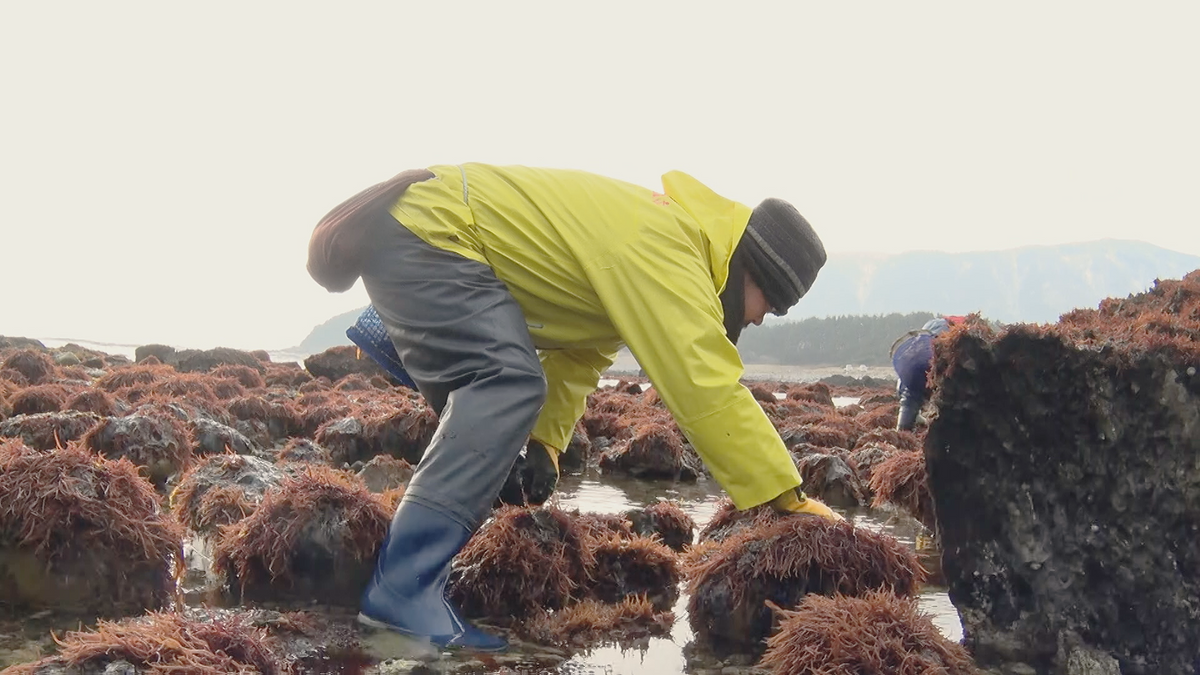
x=21 y=343
x=163 y=353
x=1063 y=466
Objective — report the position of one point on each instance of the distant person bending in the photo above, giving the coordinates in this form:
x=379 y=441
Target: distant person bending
x=508 y=290
x=912 y=357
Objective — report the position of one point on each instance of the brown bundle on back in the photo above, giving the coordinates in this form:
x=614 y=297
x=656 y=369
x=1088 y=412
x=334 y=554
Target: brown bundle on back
x=339 y=242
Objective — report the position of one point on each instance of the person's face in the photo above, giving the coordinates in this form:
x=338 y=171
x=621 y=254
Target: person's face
x=756 y=303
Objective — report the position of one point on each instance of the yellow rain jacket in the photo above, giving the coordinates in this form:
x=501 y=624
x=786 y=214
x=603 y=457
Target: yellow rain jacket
x=597 y=263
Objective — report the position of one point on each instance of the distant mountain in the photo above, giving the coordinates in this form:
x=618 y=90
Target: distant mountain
x=1033 y=284
x=331 y=333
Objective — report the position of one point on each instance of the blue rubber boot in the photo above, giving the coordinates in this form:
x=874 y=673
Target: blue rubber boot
x=407 y=593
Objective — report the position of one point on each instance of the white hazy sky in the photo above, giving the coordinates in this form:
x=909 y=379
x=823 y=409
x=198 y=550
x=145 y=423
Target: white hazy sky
x=162 y=163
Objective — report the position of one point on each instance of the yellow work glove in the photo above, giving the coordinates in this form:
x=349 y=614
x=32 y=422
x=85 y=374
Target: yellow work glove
x=795 y=501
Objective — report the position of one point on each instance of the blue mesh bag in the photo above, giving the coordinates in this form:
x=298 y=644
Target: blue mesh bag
x=369 y=334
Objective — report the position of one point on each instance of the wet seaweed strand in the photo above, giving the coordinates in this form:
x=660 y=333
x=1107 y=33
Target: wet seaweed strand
x=876 y=634
x=165 y=642
x=46 y=495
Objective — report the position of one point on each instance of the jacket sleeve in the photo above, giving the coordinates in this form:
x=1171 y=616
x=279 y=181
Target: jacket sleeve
x=660 y=297
x=571 y=374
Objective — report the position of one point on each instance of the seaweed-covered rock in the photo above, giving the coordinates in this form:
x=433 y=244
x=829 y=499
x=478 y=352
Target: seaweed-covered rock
x=665 y=520
x=250 y=378
x=210 y=438
x=35 y=365
x=728 y=520
x=50 y=430
x=195 y=360
x=865 y=458
x=781 y=562
x=520 y=561
x=163 y=353
x=627 y=567
x=129 y=377
x=655 y=450
x=82 y=533
x=15 y=342
x=346 y=440
x=879 y=632
x=95 y=400
x=304 y=450
x=591 y=623
x=901 y=480
x=158 y=442
x=403 y=433
x=281 y=417
x=577 y=453
x=813 y=392
x=338 y=362
x=222 y=489
x=313 y=538
x=830 y=479
x=384 y=472
x=880 y=415
x=1063 y=465
x=835 y=431
x=40 y=398
x=286 y=375
x=904 y=440
x=162 y=642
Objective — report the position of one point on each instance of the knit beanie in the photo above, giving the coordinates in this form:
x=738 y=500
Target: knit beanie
x=783 y=253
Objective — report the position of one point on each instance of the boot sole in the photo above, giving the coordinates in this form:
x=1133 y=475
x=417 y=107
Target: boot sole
x=385 y=641
x=420 y=643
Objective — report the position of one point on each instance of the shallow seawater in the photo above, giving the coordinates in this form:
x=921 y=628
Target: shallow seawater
x=28 y=638
x=666 y=656
x=589 y=492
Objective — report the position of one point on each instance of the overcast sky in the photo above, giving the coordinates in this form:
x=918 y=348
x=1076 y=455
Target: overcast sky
x=162 y=163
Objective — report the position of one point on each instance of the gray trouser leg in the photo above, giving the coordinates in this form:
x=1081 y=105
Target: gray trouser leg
x=462 y=337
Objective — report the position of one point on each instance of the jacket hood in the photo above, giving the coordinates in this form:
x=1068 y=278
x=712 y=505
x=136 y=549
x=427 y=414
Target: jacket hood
x=722 y=220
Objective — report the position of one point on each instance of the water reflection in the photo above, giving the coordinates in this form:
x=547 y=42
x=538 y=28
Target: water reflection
x=700 y=500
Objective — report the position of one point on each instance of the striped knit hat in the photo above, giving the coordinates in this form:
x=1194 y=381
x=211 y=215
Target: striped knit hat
x=783 y=253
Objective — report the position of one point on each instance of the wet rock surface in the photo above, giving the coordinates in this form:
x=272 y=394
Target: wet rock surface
x=1063 y=467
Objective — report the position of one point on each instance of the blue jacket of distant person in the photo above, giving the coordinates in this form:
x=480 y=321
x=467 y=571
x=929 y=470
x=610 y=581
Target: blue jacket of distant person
x=912 y=356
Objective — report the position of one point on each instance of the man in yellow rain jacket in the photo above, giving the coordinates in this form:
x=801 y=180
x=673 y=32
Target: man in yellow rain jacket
x=508 y=290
